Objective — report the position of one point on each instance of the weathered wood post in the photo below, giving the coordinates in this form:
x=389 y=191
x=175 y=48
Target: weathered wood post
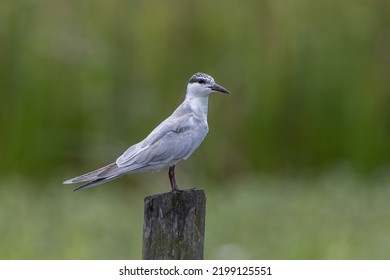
x=174 y=224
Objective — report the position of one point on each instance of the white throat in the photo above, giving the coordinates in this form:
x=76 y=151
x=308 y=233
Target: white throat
x=198 y=104
x=197 y=98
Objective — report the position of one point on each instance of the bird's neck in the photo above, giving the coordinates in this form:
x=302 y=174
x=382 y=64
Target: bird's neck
x=199 y=104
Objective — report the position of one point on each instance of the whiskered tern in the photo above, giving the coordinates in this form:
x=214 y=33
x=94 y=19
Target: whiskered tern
x=175 y=139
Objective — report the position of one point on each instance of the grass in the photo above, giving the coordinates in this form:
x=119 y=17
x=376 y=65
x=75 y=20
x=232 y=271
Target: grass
x=335 y=216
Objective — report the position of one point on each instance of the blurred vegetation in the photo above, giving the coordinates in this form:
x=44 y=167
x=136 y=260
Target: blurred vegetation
x=80 y=81
x=336 y=216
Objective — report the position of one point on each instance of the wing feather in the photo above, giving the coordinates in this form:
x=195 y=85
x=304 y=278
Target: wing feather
x=167 y=143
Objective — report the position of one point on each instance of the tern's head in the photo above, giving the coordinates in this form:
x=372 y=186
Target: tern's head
x=201 y=84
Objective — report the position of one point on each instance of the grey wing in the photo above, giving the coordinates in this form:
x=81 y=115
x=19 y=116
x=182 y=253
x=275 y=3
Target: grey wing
x=179 y=142
x=159 y=132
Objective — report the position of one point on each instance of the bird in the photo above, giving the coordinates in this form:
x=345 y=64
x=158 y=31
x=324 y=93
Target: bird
x=173 y=140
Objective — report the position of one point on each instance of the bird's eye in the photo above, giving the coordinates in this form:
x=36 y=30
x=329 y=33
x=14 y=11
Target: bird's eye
x=201 y=81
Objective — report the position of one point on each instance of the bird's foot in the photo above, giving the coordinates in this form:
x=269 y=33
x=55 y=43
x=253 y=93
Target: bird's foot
x=177 y=190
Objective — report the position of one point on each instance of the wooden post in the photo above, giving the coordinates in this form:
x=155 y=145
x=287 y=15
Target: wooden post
x=174 y=225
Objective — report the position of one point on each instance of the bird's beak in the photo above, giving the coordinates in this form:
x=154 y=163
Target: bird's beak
x=216 y=87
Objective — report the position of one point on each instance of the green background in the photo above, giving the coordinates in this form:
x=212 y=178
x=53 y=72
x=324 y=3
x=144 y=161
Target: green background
x=296 y=162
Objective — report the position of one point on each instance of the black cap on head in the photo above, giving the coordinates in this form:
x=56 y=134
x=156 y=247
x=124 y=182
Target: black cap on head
x=201 y=78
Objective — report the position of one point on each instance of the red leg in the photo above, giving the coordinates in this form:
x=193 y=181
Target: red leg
x=172 y=179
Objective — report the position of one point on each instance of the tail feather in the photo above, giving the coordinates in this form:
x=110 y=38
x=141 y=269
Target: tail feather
x=91 y=176
x=95 y=183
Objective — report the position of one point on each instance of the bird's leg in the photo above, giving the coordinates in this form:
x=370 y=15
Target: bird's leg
x=171 y=175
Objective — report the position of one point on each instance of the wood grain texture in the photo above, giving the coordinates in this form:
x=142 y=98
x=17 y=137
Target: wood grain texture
x=174 y=225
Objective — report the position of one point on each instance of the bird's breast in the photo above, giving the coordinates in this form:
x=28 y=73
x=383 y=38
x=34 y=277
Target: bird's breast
x=199 y=123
